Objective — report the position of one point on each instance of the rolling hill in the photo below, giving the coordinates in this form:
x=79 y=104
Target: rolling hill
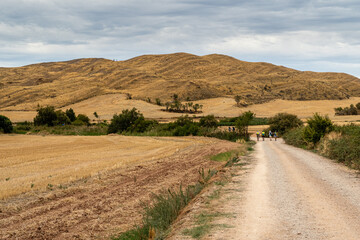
x=160 y=76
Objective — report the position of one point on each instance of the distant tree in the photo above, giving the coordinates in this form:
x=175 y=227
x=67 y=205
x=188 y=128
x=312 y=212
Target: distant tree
x=175 y=97
x=358 y=106
x=96 y=116
x=61 y=118
x=237 y=100
x=283 y=122
x=196 y=107
x=158 y=101
x=124 y=121
x=128 y=96
x=70 y=114
x=5 y=124
x=208 y=121
x=45 y=116
x=242 y=123
x=85 y=119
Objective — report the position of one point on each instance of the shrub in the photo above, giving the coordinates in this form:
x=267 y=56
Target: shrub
x=61 y=118
x=124 y=121
x=158 y=101
x=345 y=148
x=78 y=122
x=295 y=137
x=83 y=118
x=283 y=122
x=317 y=127
x=208 y=121
x=5 y=124
x=141 y=125
x=70 y=114
x=358 y=106
x=45 y=116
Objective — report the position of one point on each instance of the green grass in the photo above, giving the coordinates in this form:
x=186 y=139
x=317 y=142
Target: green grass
x=223 y=157
x=204 y=225
x=165 y=209
x=70 y=130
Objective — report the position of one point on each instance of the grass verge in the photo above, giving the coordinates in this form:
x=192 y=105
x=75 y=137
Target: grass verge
x=166 y=207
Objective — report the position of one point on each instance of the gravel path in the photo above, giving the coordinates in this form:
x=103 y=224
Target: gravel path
x=289 y=193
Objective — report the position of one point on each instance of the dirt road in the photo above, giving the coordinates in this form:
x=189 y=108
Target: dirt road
x=289 y=193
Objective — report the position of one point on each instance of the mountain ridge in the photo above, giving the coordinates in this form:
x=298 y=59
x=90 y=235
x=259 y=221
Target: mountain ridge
x=190 y=76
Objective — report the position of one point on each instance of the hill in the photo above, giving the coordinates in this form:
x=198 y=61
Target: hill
x=160 y=76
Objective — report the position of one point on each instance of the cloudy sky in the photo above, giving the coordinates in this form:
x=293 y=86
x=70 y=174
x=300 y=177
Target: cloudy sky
x=316 y=35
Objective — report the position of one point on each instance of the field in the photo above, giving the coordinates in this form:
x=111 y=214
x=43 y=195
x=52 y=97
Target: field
x=107 y=105
x=57 y=187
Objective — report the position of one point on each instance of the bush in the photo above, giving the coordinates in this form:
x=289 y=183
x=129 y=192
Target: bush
x=124 y=121
x=83 y=118
x=45 y=116
x=5 y=124
x=295 y=137
x=317 y=127
x=345 y=148
x=184 y=126
x=283 y=122
x=70 y=114
x=208 y=121
x=78 y=122
x=61 y=118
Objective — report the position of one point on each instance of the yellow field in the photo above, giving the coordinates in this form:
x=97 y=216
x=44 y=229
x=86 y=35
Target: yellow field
x=32 y=162
x=107 y=105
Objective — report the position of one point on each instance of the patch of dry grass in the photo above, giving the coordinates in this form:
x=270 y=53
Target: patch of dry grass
x=35 y=162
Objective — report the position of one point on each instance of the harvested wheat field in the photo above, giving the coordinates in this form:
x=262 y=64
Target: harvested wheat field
x=59 y=187
x=107 y=105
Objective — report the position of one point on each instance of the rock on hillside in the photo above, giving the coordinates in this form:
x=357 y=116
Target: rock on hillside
x=160 y=76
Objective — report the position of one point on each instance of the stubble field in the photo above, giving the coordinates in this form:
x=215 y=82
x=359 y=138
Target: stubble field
x=59 y=187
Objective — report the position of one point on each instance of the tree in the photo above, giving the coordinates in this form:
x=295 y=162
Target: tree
x=358 y=106
x=97 y=117
x=70 y=114
x=61 y=118
x=45 y=116
x=5 y=124
x=158 y=101
x=196 y=107
x=83 y=118
x=242 y=123
x=237 y=100
x=283 y=122
x=124 y=121
x=208 y=121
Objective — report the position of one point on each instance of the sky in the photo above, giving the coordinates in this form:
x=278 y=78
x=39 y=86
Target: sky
x=308 y=35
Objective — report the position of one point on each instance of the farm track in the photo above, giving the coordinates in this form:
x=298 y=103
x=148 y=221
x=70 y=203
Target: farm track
x=101 y=206
x=290 y=193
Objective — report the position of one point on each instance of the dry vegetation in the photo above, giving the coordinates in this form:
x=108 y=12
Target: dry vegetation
x=107 y=105
x=160 y=76
x=33 y=162
x=115 y=174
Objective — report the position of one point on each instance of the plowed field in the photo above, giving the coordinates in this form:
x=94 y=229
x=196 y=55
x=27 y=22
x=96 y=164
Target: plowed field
x=58 y=187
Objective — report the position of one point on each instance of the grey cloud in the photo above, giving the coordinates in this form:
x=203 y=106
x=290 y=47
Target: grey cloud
x=41 y=30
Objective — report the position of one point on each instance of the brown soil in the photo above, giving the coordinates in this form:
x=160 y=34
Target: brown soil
x=106 y=204
x=160 y=76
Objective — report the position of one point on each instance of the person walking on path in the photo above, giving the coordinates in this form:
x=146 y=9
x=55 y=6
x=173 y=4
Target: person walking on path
x=258 y=135
x=263 y=135
x=270 y=135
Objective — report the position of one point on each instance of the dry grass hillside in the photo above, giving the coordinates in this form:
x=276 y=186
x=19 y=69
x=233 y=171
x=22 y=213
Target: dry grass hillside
x=160 y=76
